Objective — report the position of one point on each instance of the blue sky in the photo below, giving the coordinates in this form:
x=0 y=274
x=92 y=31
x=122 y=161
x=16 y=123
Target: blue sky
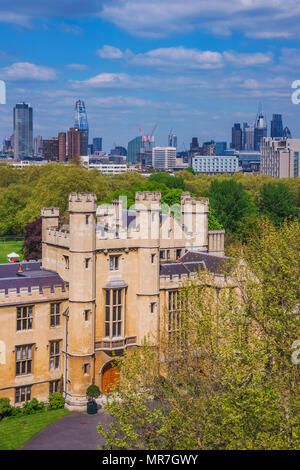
x=196 y=66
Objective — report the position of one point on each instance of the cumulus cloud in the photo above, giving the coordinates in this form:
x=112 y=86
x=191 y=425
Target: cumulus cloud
x=110 y=52
x=188 y=58
x=27 y=71
x=159 y=18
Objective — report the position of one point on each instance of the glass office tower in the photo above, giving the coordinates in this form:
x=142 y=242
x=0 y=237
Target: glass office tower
x=23 y=131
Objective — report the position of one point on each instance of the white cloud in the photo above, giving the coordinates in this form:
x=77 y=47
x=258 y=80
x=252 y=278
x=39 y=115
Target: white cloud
x=178 y=56
x=247 y=60
x=27 y=71
x=187 y=58
x=159 y=18
x=110 y=52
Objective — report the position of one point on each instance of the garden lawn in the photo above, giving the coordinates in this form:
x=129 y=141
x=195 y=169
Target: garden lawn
x=10 y=246
x=16 y=430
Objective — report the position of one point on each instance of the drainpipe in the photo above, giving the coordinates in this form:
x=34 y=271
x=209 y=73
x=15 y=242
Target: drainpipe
x=66 y=314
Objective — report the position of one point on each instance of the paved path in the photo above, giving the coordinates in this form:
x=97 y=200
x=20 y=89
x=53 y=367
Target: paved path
x=76 y=431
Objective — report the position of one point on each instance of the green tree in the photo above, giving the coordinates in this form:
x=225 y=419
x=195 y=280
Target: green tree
x=221 y=378
x=230 y=202
x=277 y=202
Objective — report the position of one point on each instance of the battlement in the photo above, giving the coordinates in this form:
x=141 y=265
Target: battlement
x=186 y=200
x=33 y=294
x=50 y=212
x=57 y=237
x=150 y=196
x=82 y=202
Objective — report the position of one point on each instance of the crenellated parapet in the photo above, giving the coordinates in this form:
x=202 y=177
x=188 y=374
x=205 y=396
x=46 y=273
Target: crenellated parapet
x=57 y=237
x=82 y=202
x=33 y=294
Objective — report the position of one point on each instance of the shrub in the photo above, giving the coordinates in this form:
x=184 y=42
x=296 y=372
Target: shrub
x=56 y=401
x=93 y=391
x=31 y=407
x=5 y=407
x=17 y=410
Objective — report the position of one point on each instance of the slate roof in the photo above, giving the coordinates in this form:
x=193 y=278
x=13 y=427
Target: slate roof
x=192 y=262
x=32 y=276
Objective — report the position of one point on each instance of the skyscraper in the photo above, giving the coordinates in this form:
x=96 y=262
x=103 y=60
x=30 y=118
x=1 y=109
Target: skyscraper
x=38 y=146
x=287 y=133
x=81 y=123
x=172 y=140
x=276 y=126
x=76 y=143
x=134 y=148
x=221 y=148
x=237 y=137
x=23 y=129
x=260 y=130
x=97 y=144
x=62 y=151
x=50 y=149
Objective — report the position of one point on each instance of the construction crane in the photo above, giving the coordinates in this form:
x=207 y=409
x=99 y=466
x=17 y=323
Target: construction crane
x=146 y=139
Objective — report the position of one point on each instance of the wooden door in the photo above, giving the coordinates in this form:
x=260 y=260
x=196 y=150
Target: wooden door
x=110 y=378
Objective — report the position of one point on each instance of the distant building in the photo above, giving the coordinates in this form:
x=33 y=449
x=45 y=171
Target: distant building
x=109 y=168
x=280 y=157
x=23 y=131
x=249 y=161
x=287 y=133
x=215 y=165
x=51 y=149
x=209 y=148
x=221 y=148
x=38 y=146
x=276 y=126
x=62 y=147
x=134 y=149
x=236 y=137
x=81 y=123
x=172 y=140
x=76 y=143
x=97 y=144
x=249 y=138
x=260 y=130
x=164 y=158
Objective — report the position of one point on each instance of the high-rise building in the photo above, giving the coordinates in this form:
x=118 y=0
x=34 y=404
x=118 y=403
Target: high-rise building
x=134 y=148
x=249 y=138
x=276 y=126
x=287 y=133
x=172 y=140
x=209 y=148
x=50 y=149
x=260 y=130
x=62 y=147
x=280 y=157
x=76 y=143
x=81 y=123
x=38 y=146
x=97 y=144
x=237 y=137
x=194 y=145
x=164 y=158
x=221 y=148
x=23 y=131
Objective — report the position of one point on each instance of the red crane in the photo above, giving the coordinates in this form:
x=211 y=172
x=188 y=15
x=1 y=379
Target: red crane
x=146 y=138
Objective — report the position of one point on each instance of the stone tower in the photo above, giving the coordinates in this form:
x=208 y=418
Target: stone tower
x=82 y=284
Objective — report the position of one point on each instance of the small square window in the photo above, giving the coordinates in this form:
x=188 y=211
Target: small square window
x=86 y=369
x=152 y=258
x=86 y=315
x=152 y=307
x=114 y=262
x=87 y=262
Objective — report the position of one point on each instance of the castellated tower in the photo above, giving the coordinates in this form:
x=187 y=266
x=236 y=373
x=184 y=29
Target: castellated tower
x=194 y=216
x=82 y=286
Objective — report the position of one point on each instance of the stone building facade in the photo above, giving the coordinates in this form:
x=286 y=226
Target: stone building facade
x=102 y=286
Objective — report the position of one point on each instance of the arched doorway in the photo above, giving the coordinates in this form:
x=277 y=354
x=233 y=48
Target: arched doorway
x=110 y=377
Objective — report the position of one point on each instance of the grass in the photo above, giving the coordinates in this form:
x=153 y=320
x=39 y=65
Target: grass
x=10 y=246
x=16 y=431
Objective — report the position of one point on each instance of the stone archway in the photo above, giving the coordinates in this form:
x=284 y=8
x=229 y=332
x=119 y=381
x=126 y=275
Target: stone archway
x=109 y=377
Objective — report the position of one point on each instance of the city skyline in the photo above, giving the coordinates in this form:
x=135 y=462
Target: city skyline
x=140 y=69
